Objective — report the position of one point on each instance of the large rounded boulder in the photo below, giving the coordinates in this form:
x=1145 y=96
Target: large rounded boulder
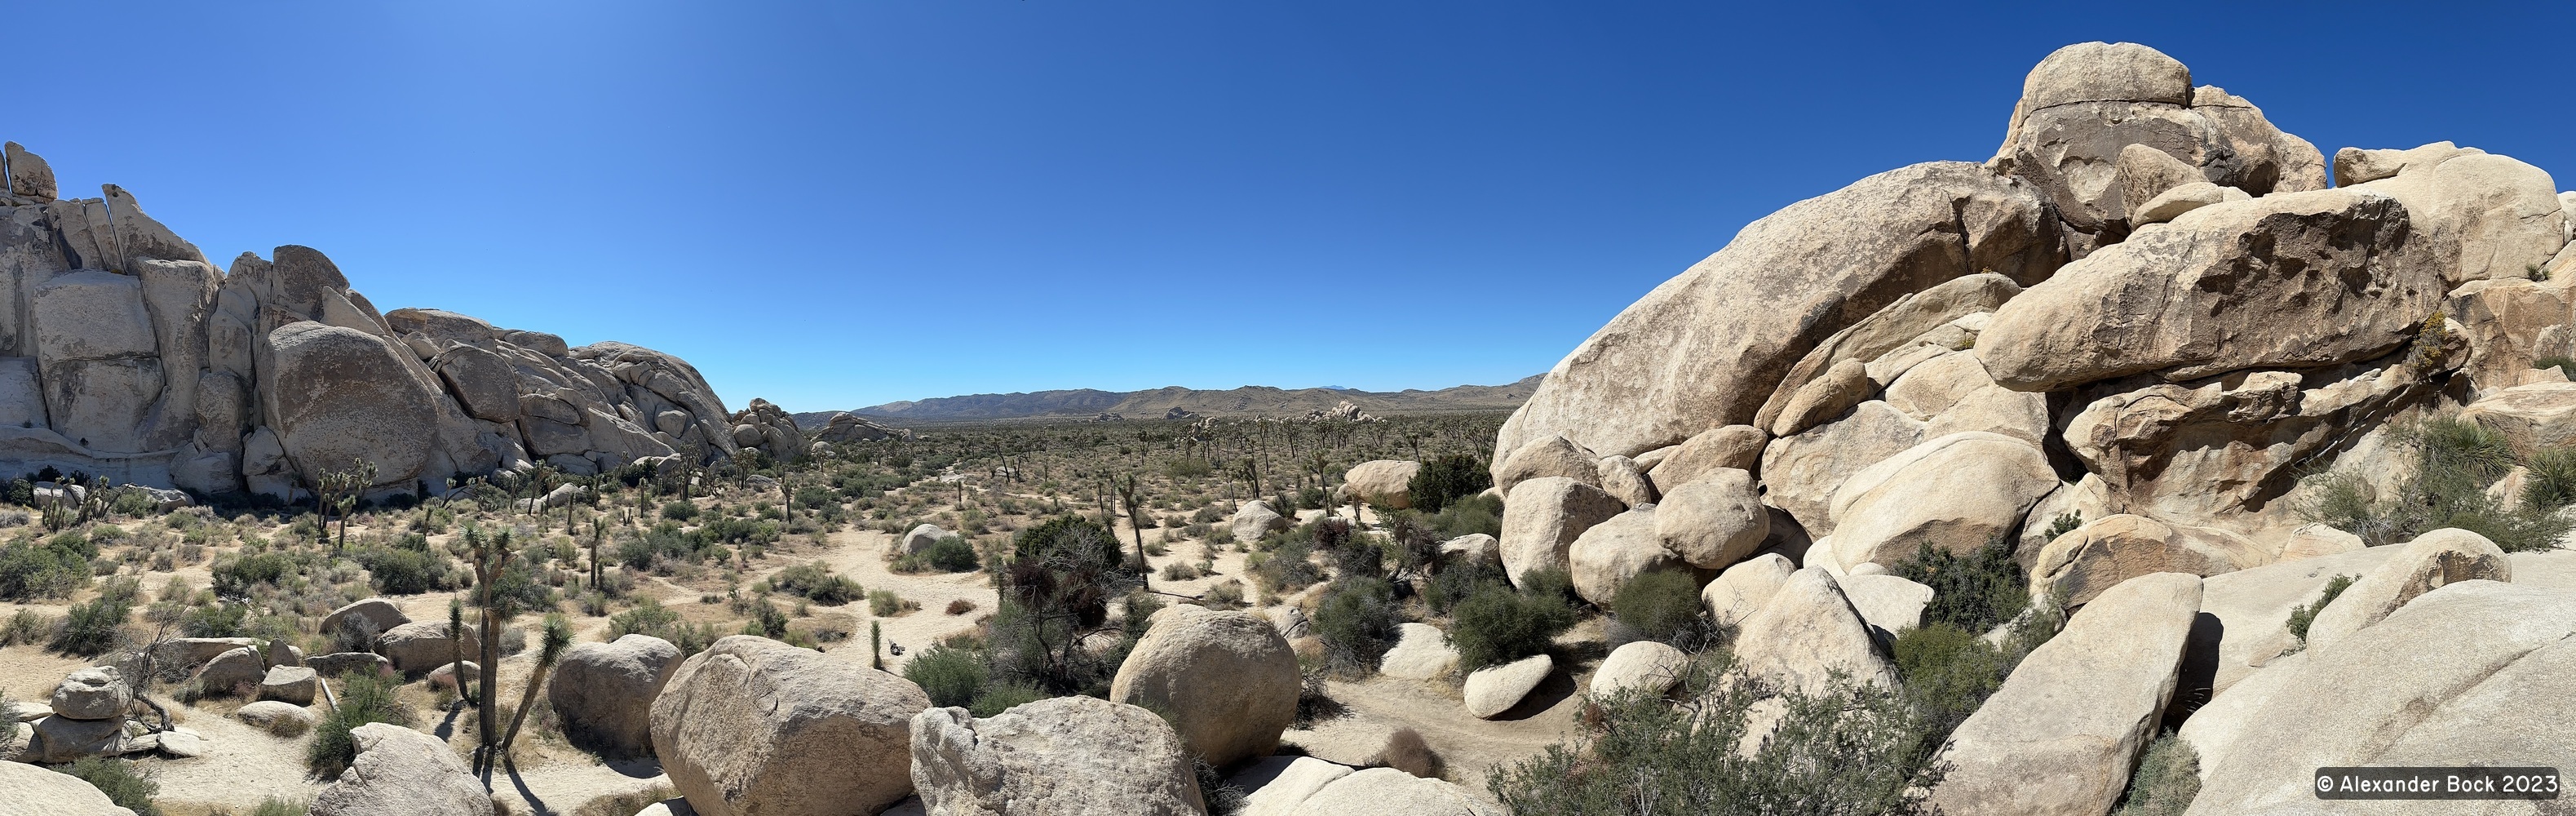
x=754 y=726
x=1386 y=483
x=421 y=646
x=604 y=692
x=345 y=396
x=38 y=790
x=402 y=771
x=1227 y=680
x=1057 y=757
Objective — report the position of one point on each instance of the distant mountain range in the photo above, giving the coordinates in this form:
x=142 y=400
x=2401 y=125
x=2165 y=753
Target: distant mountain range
x=1254 y=400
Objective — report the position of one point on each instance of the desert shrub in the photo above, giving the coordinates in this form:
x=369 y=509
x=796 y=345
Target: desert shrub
x=1664 y=606
x=626 y=804
x=408 y=571
x=25 y=626
x=2303 y=615
x=1475 y=513
x=31 y=569
x=1179 y=571
x=1357 y=623
x=1459 y=581
x=235 y=576
x=1063 y=573
x=1000 y=697
x=2565 y=365
x=125 y=786
x=90 y=629
x=364 y=698
x=1853 y=749
x=1223 y=798
x=1447 y=478
x=1499 y=624
x=885 y=604
x=281 y=806
x=767 y=620
x=677 y=510
x=2167 y=779
x=2551 y=483
x=1948 y=672
x=960 y=606
x=1975 y=592
x=2455 y=461
x=1224 y=595
x=1406 y=751
x=951 y=676
x=650 y=617
x=2064 y=523
x=815 y=582
x=214 y=620
x=9 y=712
x=1288 y=568
x=948 y=554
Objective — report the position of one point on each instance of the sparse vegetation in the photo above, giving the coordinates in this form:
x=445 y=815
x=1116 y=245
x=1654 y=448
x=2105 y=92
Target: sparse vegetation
x=124 y=785
x=1499 y=624
x=2303 y=615
x=1357 y=622
x=364 y=698
x=2167 y=779
x=2455 y=460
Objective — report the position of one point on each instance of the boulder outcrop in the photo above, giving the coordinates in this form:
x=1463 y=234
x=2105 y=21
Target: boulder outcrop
x=1227 y=681
x=604 y=692
x=1054 y=757
x=755 y=726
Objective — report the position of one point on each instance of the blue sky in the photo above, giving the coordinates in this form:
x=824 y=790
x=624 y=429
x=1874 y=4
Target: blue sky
x=840 y=204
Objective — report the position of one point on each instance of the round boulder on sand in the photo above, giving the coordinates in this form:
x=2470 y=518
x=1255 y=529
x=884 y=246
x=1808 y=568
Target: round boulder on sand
x=1495 y=689
x=420 y=646
x=1227 y=680
x=1644 y=665
x=604 y=692
x=755 y=726
x=1385 y=483
x=276 y=717
x=290 y=684
x=1065 y=756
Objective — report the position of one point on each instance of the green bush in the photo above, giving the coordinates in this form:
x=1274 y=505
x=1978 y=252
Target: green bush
x=948 y=554
x=2167 y=779
x=1663 y=606
x=951 y=676
x=31 y=570
x=885 y=604
x=1459 y=581
x=650 y=617
x=1475 y=513
x=815 y=582
x=406 y=571
x=2303 y=615
x=1288 y=568
x=117 y=778
x=235 y=576
x=2552 y=480
x=1854 y=750
x=677 y=510
x=2455 y=461
x=90 y=629
x=281 y=806
x=1447 y=478
x=1001 y=697
x=2564 y=365
x=1975 y=592
x=1357 y=623
x=215 y=620
x=1948 y=672
x=364 y=698
x=1498 y=624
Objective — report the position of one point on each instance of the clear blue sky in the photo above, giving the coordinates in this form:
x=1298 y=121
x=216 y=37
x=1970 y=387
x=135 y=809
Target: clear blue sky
x=840 y=204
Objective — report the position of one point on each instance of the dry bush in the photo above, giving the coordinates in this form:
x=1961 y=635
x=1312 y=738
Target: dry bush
x=1405 y=751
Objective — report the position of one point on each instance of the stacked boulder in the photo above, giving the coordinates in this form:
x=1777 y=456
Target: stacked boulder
x=125 y=352
x=2113 y=350
x=89 y=720
x=845 y=427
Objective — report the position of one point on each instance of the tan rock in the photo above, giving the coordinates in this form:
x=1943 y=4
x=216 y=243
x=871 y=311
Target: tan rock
x=1709 y=347
x=402 y=771
x=1621 y=478
x=1889 y=332
x=755 y=726
x=2431 y=561
x=2512 y=324
x=2172 y=203
x=1421 y=652
x=294 y=685
x=1955 y=493
x=1714 y=521
x=2484 y=216
x=1731 y=446
x=1275 y=786
x=1610 y=554
x=1828 y=396
x=1254 y=520
x=1801 y=473
x=1472 y=547
x=1386 y=483
x=2314 y=540
x=381 y=616
x=1543 y=516
x=2109 y=551
x=29 y=175
x=1745 y=588
x=1226 y=681
x=40 y=790
x=2173 y=301
x=271 y=715
x=2063 y=731
x=1886 y=602
x=1645 y=666
x=95 y=693
x=2147 y=173
x=1492 y=690
x=1062 y=756
x=419 y=646
x=1552 y=455
x=603 y=692
x=1807 y=634
x=1387 y=790
x=2530 y=417
x=2253 y=608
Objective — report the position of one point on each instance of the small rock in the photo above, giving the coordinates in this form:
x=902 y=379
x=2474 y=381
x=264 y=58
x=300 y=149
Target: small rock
x=290 y=684
x=273 y=715
x=921 y=537
x=1493 y=690
x=336 y=664
x=234 y=669
x=1644 y=665
x=1472 y=548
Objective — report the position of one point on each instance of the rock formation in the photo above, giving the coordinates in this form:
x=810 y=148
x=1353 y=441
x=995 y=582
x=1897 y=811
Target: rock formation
x=126 y=353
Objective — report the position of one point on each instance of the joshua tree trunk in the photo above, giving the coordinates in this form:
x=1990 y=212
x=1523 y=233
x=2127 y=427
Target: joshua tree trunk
x=558 y=635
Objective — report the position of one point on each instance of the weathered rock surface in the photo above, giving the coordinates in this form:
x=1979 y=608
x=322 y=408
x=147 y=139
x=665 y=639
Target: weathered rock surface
x=2294 y=280
x=1492 y=690
x=1065 y=755
x=1610 y=554
x=295 y=685
x=1807 y=633
x=1471 y=548
x=1254 y=520
x=402 y=771
x=2486 y=216
x=340 y=663
x=1708 y=348
x=1421 y=652
x=1800 y=473
x=2472 y=668
x=37 y=790
x=2062 y=733
x=755 y=726
x=604 y=692
x=2530 y=417
x=2253 y=607
x=1886 y=602
x=381 y=616
x=234 y=668
x=1386 y=483
x=1645 y=666
x=924 y=535
x=53 y=740
x=2431 y=561
x=270 y=715
x=1713 y=521
x=1551 y=455
x=1387 y=790
x=2111 y=550
x=1543 y=516
x=1732 y=446
x=420 y=646
x=1955 y=493
x=1623 y=480
x=1227 y=681
x=1745 y=588
x=95 y=693
x=1887 y=333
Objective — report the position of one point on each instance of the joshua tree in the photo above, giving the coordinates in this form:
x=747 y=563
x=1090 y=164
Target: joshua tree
x=598 y=533
x=456 y=644
x=335 y=493
x=489 y=557
x=558 y=634
x=1135 y=516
